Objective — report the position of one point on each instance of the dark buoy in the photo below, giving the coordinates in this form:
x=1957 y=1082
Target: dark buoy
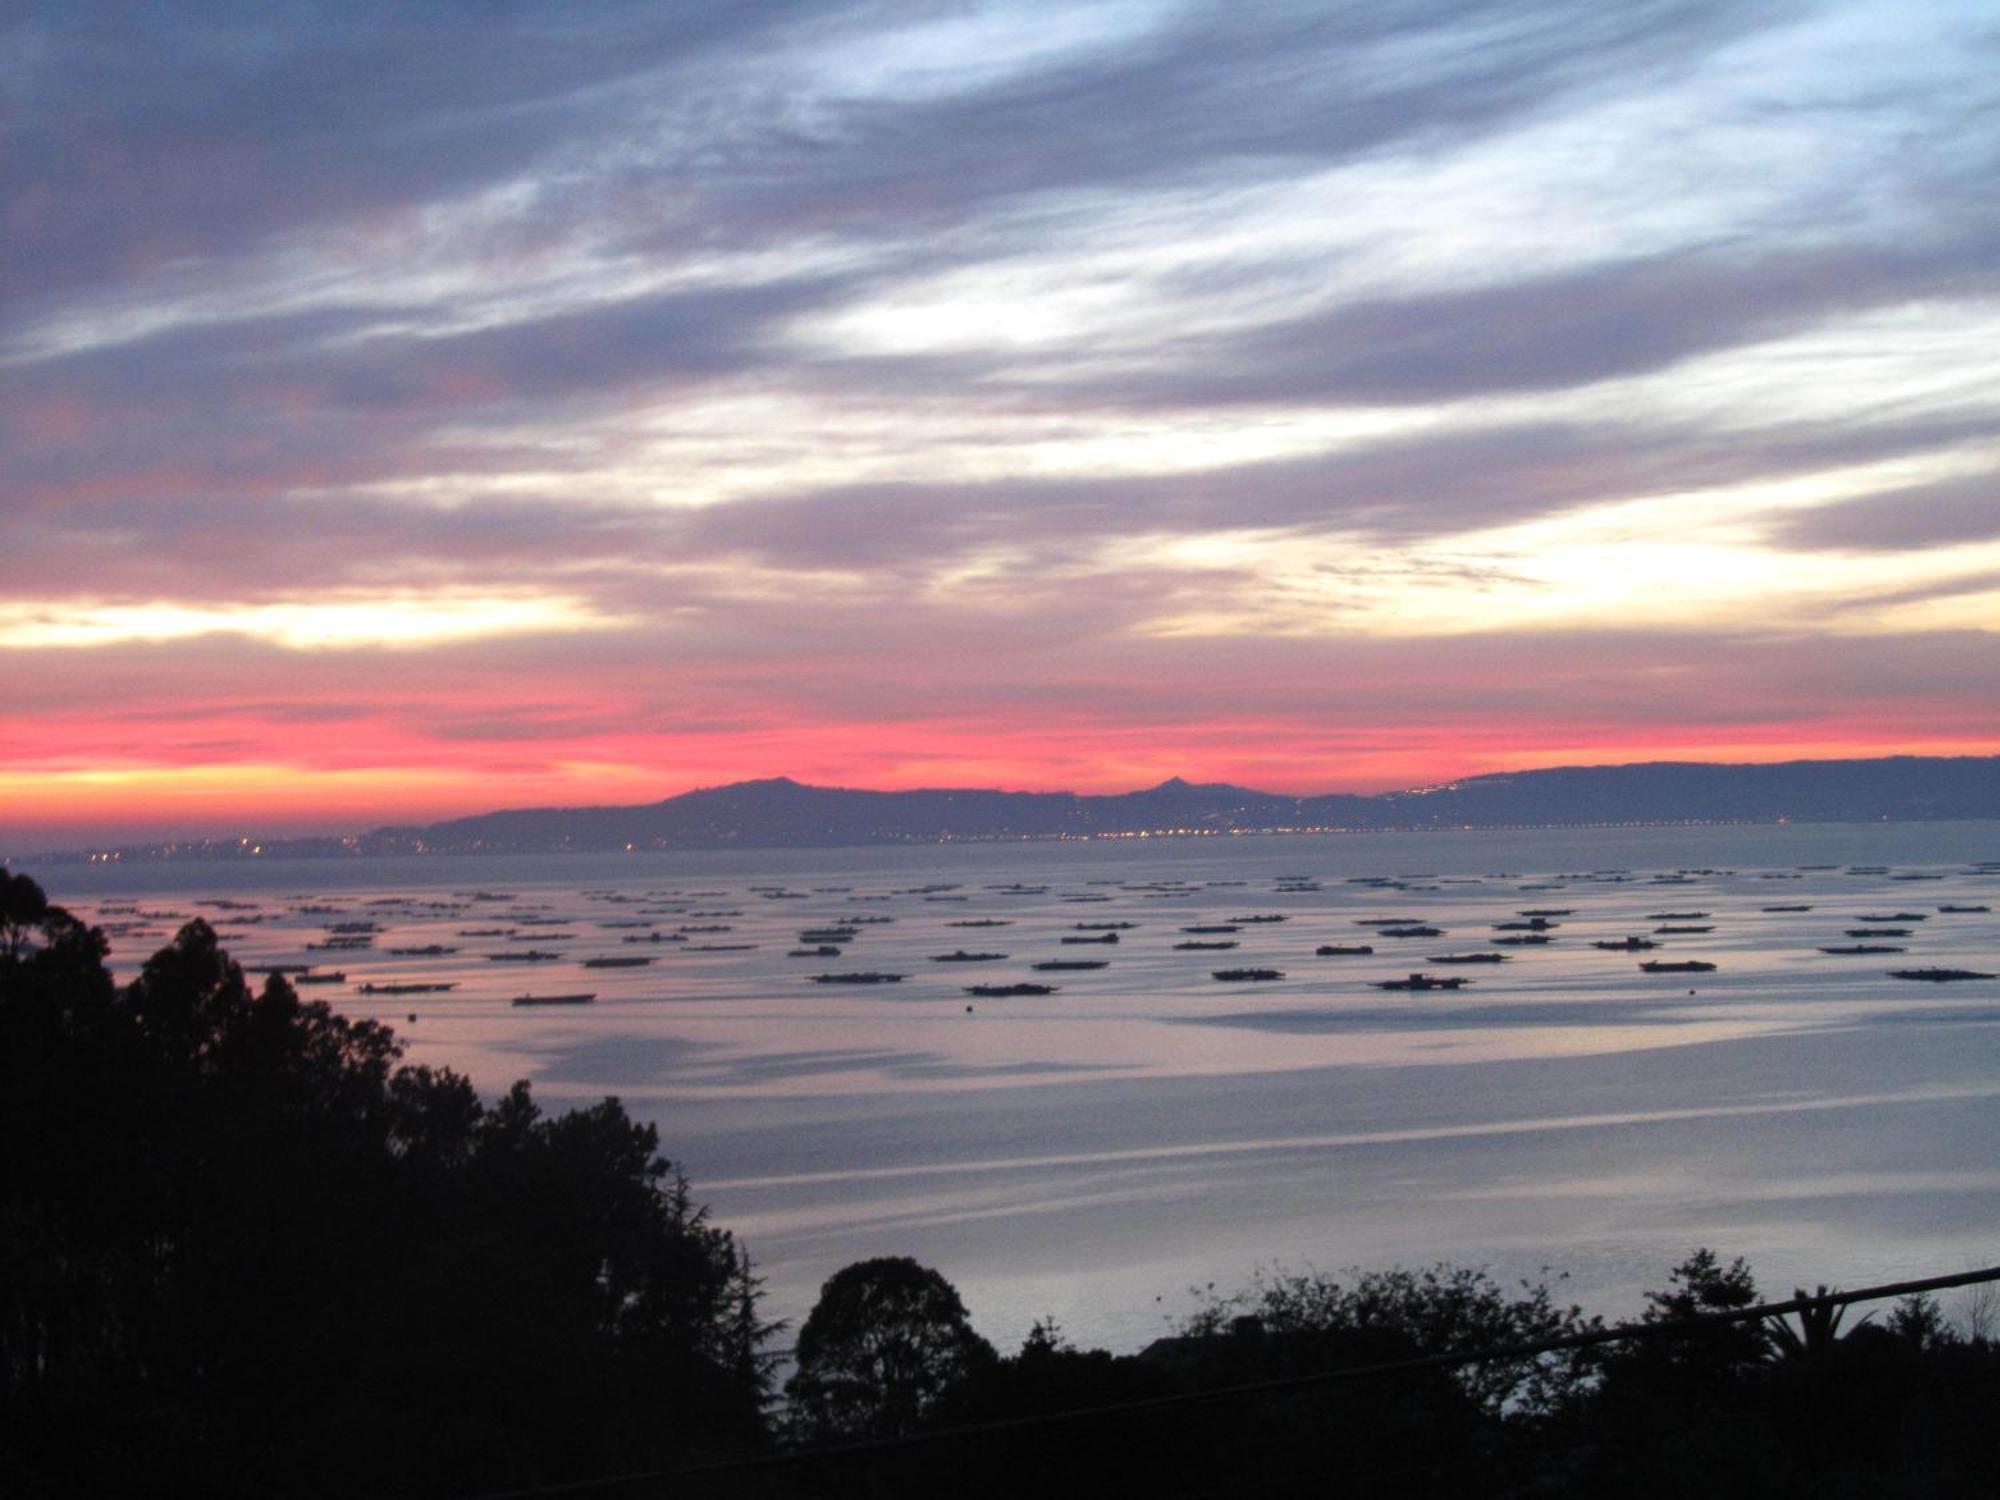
x=968 y=1010
x=413 y=1018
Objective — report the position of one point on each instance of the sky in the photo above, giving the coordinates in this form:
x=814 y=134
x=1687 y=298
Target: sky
x=415 y=410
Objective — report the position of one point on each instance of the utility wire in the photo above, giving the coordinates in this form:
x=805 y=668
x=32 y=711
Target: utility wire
x=1622 y=1333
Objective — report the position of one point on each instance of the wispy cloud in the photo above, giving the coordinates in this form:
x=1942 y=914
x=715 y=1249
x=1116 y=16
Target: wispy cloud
x=871 y=376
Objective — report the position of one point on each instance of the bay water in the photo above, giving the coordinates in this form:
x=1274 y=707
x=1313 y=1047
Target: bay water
x=1102 y=1153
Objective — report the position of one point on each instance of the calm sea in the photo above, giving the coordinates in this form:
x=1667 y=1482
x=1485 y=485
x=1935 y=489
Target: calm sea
x=1148 y=1128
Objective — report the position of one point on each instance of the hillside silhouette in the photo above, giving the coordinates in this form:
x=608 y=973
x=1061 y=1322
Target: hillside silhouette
x=781 y=812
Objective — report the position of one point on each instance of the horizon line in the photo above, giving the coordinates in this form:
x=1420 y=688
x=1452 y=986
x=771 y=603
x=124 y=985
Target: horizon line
x=211 y=839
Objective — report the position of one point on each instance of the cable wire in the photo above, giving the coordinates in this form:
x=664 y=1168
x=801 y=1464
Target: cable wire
x=1622 y=1333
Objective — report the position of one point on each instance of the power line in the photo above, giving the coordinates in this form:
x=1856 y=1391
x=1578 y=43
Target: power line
x=1622 y=1333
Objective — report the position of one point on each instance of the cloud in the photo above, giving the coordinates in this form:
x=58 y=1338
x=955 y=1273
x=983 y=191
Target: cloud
x=1239 y=88
x=148 y=136
x=1032 y=383
x=1947 y=514
x=1562 y=331
x=312 y=371
x=1955 y=586
x=674 y=131
x=1396 y=491
x=369 y=621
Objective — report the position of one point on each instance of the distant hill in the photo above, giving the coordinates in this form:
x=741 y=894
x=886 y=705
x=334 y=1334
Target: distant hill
x=782 y=813
x=1899 y=788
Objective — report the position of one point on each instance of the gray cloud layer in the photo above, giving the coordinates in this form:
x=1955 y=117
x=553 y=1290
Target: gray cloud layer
x=261 y=267
x=175 y=143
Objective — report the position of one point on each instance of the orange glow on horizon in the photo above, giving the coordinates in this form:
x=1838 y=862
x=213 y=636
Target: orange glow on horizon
x=277 y=798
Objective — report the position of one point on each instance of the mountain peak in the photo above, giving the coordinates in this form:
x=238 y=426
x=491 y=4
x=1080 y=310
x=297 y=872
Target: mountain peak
x=1180 y=786
x=781 y=812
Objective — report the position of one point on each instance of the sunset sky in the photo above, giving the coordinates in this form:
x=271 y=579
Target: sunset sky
x=416 y=409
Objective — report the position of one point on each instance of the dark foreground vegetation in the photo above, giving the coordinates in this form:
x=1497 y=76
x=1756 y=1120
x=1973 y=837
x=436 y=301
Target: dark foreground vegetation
x=245 y=1250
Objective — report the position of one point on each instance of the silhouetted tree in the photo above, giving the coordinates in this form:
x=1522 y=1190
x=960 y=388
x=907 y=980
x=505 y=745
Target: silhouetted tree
x=1816 y=1335
x=1702 y=1284
x=1050 y=1374
x=1699 y=1286
x=24 y=908
x=1918 y=1322
x=244 y=1249
x=1682 y=1413
x=887 y=1341
x=1441 y=1309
